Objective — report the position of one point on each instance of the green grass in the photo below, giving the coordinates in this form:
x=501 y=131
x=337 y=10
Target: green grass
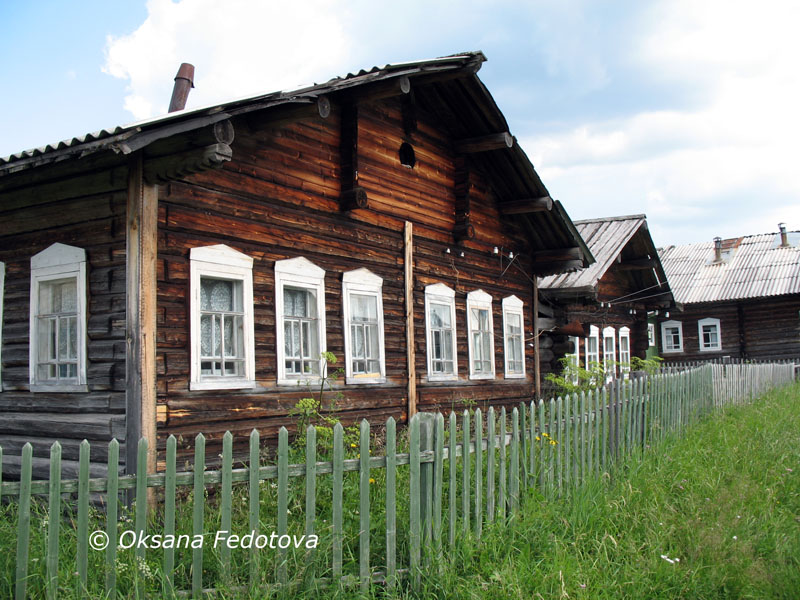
x=723 y=502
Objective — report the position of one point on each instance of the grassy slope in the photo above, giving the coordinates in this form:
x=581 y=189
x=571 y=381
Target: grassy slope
x=724 y=500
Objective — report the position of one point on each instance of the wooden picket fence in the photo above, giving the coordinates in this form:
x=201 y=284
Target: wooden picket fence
x=458 y=475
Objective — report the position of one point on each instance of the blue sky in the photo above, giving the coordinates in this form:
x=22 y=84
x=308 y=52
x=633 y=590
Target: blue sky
x=683 y=110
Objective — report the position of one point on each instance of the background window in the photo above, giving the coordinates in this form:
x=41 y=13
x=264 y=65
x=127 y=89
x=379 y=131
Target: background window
x=58 y=319
x=221 y=319
x=363 y=309
x=624 y=350
x=440 y=322
x=709 y=335
x=592 y=347
x=672 y=336
x=609 y=352
x=481 y=335
x=514 y=342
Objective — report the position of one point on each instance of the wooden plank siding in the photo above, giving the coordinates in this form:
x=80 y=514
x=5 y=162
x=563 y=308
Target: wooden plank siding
x=766 y=328
x=87 y=212
x=278 y=198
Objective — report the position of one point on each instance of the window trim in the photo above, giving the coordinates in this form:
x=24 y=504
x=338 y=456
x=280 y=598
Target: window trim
x=664 y=326
x=624 y=332
x=482 y=301
x=610 y=332
x=364 y=282
x=575 y=357
x=709 y=321
x=301 y=273
x=513 y=305
x=58 y=261
x=651 y=335
x=441 y=294
x=594 y=332
x=221 y=262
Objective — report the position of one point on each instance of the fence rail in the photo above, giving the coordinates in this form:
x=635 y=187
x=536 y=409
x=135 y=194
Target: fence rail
x=461 y=474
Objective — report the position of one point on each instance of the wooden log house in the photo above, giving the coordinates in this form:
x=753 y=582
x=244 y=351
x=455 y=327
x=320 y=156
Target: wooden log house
x=739 y=299
x=185 y=274
x=600 y=314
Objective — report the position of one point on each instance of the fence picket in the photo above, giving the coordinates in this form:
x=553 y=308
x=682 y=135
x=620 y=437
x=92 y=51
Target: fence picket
x=491 y=439
x=363 y=507
x=391 y=511
x=311 y=494
x=478 y=473
x=226 y=493
x=283 y=502
x=169 y=516
x=54 y=520
x=452 y=471
x=501 y=500
x=111 y=518
x=83 y=518
x=465 y=473
x=415 y=527
x=254 y=507
x=198 y=511
x=24 y=522
x=337 y=499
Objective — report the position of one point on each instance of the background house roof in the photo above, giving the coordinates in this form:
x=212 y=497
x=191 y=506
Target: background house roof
x=753 y=266
x=609 y=240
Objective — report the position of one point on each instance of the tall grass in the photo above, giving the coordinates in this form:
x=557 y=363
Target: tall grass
x=714 y=514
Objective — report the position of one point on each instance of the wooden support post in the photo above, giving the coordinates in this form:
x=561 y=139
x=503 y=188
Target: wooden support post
x=140 y=367
x=536 y=367
x=409 y=297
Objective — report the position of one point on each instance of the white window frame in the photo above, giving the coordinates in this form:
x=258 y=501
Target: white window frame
x=666 y=325
x=301 y=273
x=221 y=262
x=440 y=294
x=593 y=357
x=624 y=361
x=651 y=335
x=480 y=300
x=2 y=291
x=58 y=261
x=710 y=321
x=608 y=363
x=575 y=358
x=365 y=283
x=513 y=306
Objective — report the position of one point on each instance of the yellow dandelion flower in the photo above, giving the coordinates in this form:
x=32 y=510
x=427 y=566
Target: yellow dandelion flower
x=552 y=443
x=538 y=439
x=545 y=434
x=371 y=480
x=354 y=445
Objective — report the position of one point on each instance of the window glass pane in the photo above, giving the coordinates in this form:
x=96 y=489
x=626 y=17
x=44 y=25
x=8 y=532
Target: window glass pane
x=216 y=295
x=363 y=308
x=440 y=315
x=299 y=303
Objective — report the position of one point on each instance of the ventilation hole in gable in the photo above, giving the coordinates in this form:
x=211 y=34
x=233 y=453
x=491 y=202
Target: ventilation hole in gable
x=407 y=156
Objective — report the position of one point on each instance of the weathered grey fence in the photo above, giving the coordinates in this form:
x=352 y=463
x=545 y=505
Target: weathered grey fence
x=460 y=475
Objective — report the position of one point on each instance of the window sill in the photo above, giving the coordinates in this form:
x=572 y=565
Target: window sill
x=710 y=349
x=364 y=380
x=437 y=378
x=59 y=387
x=234 y=384
x=514 y=375
x=479 y=376
x=672 y=351
x=297 y=381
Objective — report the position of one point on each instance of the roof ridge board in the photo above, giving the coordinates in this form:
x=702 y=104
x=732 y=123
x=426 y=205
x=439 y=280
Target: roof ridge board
x=617 y=218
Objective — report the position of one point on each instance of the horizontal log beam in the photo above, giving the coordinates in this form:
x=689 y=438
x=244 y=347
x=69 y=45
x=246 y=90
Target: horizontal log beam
x=639 y=264
x=485 y=143
x=177 y=166
x=526 y=206
x=549 y=268
x=560 y=254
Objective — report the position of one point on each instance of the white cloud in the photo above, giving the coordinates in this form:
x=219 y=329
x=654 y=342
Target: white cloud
x=739 y=144
x=238 y=47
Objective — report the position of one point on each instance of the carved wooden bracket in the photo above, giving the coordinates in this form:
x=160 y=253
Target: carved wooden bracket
x=353 y=195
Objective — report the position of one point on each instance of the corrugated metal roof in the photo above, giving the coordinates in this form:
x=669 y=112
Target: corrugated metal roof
x=605 y=239
x=109 y=137
x=753 y=266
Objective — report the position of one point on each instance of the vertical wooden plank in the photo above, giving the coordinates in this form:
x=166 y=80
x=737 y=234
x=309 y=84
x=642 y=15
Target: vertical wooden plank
x=311 y=494
x=560 y=443
x=141 y=250
x=532 y=446
x=491 y=439
x=537 y=373
x=112 y=502
x=524 y=441
x=438 y=487
x=337 y=502
x=540 y=446
x=606 y=417
x=414 y=511
x=501 y=500
x=254 y=508
x=465 y=472
x=567 y=441
x=426 y=477
x=594 y=455
x=583 y=442
x=169 y=516
x=53 y=521
x=550 y=449
x=141 y=512
x=83 y=517
x=514 y=470
x=363 y=504
x=282 y=574
x=198 y=510
x=478 y=473
x=408 y=279
x=391 y=503
x=226 y=500
x=24 y=522
x=453 y=487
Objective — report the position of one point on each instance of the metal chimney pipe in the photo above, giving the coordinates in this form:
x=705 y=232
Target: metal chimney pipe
x=717 y=249
x=184 y=82
x=784 y=237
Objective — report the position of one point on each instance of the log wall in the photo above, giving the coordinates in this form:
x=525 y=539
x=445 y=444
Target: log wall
x=279 y=198
x=87 y=212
